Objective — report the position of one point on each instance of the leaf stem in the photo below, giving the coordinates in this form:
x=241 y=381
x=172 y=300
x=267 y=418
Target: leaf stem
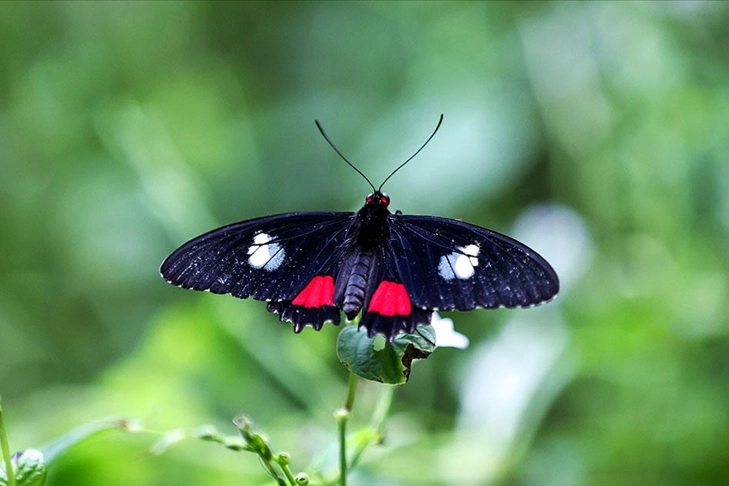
x=5 y=446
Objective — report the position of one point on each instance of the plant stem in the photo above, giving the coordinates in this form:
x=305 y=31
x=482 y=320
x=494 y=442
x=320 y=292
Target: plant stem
x=382 y=410
x=352 y=388
x=342 y=418
x=343 y=451
x=6 y=449
x=284 y=465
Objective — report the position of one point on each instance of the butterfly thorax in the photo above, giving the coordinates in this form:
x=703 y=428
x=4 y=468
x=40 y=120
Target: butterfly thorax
x=371 y=226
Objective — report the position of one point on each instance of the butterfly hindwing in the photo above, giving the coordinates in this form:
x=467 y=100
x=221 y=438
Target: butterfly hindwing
x=448 y=264
x=273 y=258
x=389 y=309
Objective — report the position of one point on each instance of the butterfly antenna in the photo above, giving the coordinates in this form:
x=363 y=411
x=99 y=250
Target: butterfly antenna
x=323 y=134
x=440 y=120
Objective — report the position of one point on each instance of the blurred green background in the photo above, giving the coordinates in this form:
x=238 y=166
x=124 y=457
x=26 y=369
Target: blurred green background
x=596 y=132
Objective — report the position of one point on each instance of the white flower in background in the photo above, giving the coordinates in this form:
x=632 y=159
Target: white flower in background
x=445 y=334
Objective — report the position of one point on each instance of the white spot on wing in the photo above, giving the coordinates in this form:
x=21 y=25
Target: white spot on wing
x=459 y=264
x=264 y=254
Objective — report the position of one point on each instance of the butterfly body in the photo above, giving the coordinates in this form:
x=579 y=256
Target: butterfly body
x=393 y=269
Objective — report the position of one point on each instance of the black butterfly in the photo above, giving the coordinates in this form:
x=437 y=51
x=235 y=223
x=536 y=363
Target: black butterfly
x=395 y=269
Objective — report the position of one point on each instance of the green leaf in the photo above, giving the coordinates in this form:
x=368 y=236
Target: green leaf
x=377 y=360
x=30 y=469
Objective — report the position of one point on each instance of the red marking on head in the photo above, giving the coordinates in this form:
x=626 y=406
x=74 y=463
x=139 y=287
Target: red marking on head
x=317 y=293
x=378 y=199
x=390 y=299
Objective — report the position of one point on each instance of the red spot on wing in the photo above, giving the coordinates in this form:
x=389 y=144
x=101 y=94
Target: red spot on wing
x=390 y=299
x=317 y=293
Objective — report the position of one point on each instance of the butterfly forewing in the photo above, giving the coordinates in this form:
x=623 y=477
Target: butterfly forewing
x=447 y=264
x=270 y=258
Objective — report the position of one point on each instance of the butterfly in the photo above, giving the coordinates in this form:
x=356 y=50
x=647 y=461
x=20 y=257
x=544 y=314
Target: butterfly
x=393 y=269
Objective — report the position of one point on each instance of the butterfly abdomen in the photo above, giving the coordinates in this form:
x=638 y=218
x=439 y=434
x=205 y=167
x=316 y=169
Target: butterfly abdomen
x=355 y=274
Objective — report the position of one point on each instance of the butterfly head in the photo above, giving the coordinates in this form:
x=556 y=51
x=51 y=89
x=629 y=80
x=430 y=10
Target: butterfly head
x=378 y=199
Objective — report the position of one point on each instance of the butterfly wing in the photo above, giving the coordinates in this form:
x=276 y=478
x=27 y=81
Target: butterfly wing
x=293 y=261
x=274 y=258
x=448 y=264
